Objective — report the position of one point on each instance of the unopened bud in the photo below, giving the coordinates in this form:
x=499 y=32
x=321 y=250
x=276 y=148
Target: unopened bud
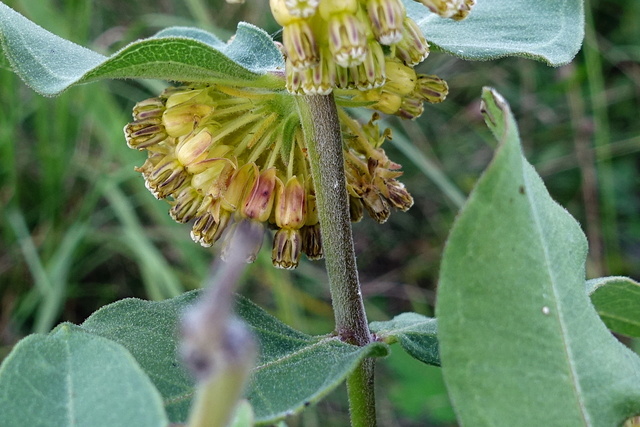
x=291 y=206
x=258 y=202
x=194 y=147
x=312 y=241
x=183 y=118
x=241 y=183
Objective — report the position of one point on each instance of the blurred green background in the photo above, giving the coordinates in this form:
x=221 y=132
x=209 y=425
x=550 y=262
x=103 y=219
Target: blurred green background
x=79 y=230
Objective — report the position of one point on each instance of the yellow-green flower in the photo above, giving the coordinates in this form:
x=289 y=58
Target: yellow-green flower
x=347 y=44
x=220 y=154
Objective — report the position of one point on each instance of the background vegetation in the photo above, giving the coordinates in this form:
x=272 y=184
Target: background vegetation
x=79 y=230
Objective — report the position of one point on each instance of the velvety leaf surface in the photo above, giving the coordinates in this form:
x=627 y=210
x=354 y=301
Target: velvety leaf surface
x=617 y=301
x=73 y=378
x=548 y=30
x=294 y=369
x=148 y=329
x=50 y=64
x=417 y=335
x=520 y=342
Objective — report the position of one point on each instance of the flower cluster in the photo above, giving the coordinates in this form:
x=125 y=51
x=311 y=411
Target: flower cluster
x=350 y=44
x=220 y=154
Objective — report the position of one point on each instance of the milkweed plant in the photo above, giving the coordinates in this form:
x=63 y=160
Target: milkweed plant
x=286 y=137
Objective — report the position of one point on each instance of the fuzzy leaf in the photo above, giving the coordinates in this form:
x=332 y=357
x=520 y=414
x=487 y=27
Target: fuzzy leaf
x=417 y=335
x=520 y=342
x=72 y=378
x=549 y=30
x=294 y=369
x=50 y=64
x=149 y=331
x=617 y=301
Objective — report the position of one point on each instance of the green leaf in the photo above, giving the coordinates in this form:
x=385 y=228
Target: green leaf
x=520 y=342
x=617 y=301
x=149 y=331
x=294 y=369
x=550 y=31
x=72 y=378
x=417 y=335
x=50 y=64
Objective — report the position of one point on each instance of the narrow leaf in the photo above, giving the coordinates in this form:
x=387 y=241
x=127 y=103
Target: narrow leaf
x=417 y=335
x=617 y=301
x=50 y=64
x=294 y=369
x=72 y=378
x=550 y=31
x=520 y=342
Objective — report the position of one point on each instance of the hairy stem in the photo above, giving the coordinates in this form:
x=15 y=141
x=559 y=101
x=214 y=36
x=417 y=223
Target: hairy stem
x=321 y=128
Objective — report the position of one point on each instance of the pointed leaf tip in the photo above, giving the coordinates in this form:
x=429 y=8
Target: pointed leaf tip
x=520 y=342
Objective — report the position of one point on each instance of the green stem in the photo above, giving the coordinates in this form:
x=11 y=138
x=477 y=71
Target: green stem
x=321 y=126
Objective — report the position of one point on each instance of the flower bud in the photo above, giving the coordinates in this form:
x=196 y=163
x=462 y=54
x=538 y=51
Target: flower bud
x=312 y=241
x=183 y=118
x=400 y=78
x=193 y=147
x=258 y=202
x=291 y=206
x=311 y=208
x=241 y=182
x=287 y=245
x=214 y=177
x=355 y=208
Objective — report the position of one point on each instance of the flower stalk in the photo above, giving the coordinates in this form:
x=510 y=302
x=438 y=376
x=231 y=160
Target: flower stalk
x=321 y=126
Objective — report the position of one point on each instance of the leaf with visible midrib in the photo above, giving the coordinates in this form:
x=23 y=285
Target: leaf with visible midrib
x=50 y=64
x=617 y=301
x=294 y=369
x=550 y=31
x=520 y=342
x=73 y=378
